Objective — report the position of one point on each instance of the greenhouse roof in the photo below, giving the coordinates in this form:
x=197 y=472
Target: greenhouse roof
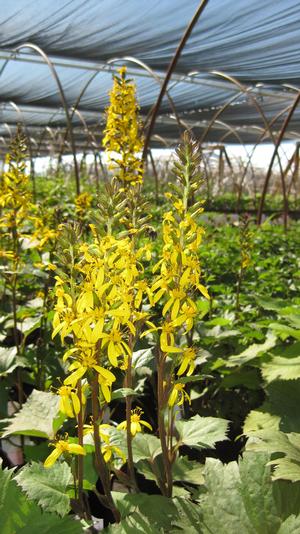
x=235 y=81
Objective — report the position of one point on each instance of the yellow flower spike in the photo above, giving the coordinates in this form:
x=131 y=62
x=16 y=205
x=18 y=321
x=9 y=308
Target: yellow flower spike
x=122 y=139
x=136 y=422
x=178 y=395
x=62 y=447
x=187 y=361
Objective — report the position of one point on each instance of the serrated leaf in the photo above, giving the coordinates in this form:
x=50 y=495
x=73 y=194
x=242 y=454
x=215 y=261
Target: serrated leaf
x=252 y=352
x=281 y=368
x=242 y=498
x=21 y=516
x=47 y=487
x=288 y=467
x=38 y=417
x=285 y=331
x=202 y=432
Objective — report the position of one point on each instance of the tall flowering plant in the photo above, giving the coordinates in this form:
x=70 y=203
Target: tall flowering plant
x=106 y=301
x=176 y=287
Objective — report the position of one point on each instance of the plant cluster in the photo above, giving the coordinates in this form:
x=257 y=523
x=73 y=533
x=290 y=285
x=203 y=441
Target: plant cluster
x=143 y=362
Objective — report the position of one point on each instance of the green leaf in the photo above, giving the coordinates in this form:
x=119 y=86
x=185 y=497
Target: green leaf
x=47 y=487
x=21 y=516
x=142 y=358
x=145 y=447
x=144 y=513
x=185 y=470
x=253 y=351
x=281 y=368
x=190 y=517
x=122 y=393
x=192 y=378
x=36 y=453
x=243 y=376
x=38 y=417
x=290 y=526
x=260 y=420
x=219 y=321
x=201 y=432
x=132 y=524
x=271 y=304
x=285 y=331
x=29 y=324
x=242 y=498
x=288 y=467
x=279 y=411
x=8 y=360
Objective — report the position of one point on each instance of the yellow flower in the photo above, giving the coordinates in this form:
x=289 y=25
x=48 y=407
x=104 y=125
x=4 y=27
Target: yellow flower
x=105 y=380
x=82 y=203
x=69 y=402
x=63 y=321
x=89 y=429
x=109 y=451
x=115 y=345
x=62 y=446
x=142 y=287
x=86 y=361
x=135 y=422
x=188 y=312
x=178 y=395
x=174 y=302
x=86 y=297
x=188 y=361
x=167 y=339
x=7 y=254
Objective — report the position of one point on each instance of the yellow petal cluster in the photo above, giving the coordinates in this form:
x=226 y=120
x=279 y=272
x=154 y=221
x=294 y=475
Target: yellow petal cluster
x=136 y=423
x=101 y=310
x=62 y=447
x=122 y=139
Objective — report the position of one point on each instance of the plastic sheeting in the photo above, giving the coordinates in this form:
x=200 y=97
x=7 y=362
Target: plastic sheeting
x=255 y=42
